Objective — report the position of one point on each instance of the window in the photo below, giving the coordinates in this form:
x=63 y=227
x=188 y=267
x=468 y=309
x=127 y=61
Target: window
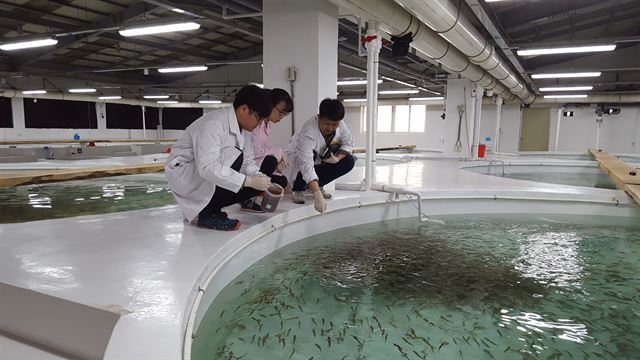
x=59 y=114
x=179 y=118
x=398 y=118
x=385 y=118
x=402 y=118
x=6 y=117
x=417 y=118
x=123 y=116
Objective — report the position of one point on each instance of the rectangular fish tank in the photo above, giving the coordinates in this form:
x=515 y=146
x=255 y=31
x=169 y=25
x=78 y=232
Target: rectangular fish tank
x=83 y=197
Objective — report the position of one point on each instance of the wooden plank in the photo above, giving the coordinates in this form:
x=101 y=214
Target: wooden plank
x=399 y=147
x=86 y=141
x=634 y=191
x=47 y=176
x=626 y=177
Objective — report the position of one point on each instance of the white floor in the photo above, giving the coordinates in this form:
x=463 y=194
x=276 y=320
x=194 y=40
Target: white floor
x=145 y=263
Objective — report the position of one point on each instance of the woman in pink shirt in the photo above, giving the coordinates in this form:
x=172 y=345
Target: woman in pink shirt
x=269 y=158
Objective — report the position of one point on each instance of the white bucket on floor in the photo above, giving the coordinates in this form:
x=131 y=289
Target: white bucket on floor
x=272 y=197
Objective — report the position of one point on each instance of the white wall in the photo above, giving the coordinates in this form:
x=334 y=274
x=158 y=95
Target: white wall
x=433 y=136
x=618 y=133
x=442 y=134
x=509 y=126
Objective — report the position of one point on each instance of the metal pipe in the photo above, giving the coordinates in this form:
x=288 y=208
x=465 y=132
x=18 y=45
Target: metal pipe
x=226 y=16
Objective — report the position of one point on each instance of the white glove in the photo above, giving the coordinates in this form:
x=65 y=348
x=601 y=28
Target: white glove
x=259 y=182
x=331 y=159
x=319 y=203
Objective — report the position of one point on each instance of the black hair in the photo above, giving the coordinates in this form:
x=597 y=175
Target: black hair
x=331 y=109
x=256 y=99
x=280 y=95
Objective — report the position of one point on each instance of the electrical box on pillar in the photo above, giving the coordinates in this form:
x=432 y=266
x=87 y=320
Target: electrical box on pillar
x=291 y=73
x=400 y=47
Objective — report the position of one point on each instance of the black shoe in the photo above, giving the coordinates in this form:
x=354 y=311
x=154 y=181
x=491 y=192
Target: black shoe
x=218 y=221
x=251 y=206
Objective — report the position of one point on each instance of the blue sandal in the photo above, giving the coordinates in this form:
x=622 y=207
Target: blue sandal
x=218 y=221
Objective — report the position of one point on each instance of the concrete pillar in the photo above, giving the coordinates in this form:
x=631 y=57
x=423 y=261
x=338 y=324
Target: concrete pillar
x=459 y=93
x=303 y=34
x=17 y=108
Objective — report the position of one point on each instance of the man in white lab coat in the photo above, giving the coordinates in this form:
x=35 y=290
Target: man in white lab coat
x=320 y=153
x=211 y=166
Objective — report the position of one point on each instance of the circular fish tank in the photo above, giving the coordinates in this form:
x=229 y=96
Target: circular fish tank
x=456 y=287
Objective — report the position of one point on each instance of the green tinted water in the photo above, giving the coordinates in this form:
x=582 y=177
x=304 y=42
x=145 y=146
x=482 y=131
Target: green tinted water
x=83 y=197
x=471 y=288
x=576 y=179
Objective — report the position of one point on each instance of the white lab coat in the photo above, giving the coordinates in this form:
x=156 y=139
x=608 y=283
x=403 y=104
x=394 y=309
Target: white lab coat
x=201 y=160
x=305 y=142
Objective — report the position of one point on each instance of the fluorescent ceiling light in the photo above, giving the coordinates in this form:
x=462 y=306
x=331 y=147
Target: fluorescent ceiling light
x=110 y=97
x=566 y=75
x=34 y=92
x=564 y=96
x=180 y=11
x=182 y=69
x=354 y=82
x=146 y=30
x=566 y=50
x=83 y=90
x=354 y=100
x=426 y=98
x=261 y=86
x=167 y=102
x=28 y=44
x=210 y=102
x=156 y=96
x=492 y=0
x=391 y=92
x=566 y=88
x=399 y=82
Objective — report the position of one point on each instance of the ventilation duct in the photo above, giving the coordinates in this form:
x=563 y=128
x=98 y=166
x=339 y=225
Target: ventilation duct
x=397 y=21
x=444 y=18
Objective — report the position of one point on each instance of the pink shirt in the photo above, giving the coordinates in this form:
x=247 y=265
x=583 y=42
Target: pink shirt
x=260 y=141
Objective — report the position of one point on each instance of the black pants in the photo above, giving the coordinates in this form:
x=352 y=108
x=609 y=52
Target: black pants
x=269 y=165
x=327 y=172
x=223 y=197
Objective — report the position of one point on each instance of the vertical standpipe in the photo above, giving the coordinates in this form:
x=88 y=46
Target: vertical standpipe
x=496 y=136
x=374 y=44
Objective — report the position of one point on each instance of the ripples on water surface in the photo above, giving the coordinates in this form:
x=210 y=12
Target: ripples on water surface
x=83 y=197
x=473 y=288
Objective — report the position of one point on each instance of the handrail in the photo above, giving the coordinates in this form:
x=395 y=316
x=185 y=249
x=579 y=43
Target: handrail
x=495 y=161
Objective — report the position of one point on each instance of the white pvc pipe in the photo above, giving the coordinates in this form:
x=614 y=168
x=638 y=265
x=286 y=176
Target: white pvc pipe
x=599 y=122
x=405 y=191
x=373 y=51
x=496 y=136
x=477 y=119
x=144 y=123
x=560 y=111
x=444 y=17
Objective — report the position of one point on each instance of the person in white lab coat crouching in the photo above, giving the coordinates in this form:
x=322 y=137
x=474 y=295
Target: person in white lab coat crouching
x=320 y=153
x=211 y=166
